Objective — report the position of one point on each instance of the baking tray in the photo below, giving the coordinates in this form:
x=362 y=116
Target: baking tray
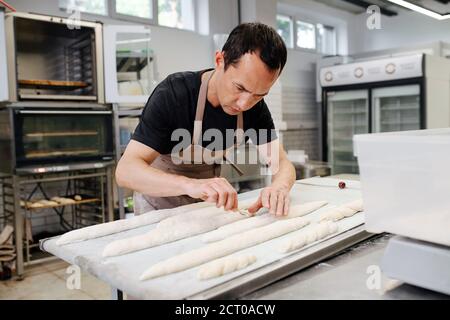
x=123 y=272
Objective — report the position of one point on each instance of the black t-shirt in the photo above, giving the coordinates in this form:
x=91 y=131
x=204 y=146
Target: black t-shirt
x=173 y=104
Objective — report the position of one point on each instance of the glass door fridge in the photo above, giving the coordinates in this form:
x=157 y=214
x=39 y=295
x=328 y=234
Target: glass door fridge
x=347 y=115
x=396 y=108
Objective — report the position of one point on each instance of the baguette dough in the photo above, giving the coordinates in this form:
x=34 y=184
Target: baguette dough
x=316 y=232
x=261 y=220
x=346 y=210
x=176 y=228
x=48 y=202
x=225 y=265
x=62 y=200
x=42 y=203
x=168 y=233
x=36 y=205
x=202 y=214
x=223 y=248
x=104 y=229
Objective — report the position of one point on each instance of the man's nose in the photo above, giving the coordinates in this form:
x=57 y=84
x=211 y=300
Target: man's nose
x=244 y=101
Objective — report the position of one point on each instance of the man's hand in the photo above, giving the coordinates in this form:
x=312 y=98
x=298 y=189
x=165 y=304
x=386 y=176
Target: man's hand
x=276 y=199
x=215 y=190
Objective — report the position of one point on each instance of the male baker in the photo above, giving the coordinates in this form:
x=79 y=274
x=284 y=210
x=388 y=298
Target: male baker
x=230 y=96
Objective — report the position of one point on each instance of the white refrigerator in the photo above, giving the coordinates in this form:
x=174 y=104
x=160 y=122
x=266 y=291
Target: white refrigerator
x=392 y=94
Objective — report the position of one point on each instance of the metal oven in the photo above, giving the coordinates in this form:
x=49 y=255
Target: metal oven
x=54 y=59
x=34 y=140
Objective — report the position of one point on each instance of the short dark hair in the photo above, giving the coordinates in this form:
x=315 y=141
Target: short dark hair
x=255 y=37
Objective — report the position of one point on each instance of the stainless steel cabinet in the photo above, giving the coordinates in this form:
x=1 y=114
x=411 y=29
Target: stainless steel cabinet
x=3 y=64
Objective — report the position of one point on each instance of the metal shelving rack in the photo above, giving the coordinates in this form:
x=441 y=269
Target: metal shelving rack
x=120 y=112
x=95 y=209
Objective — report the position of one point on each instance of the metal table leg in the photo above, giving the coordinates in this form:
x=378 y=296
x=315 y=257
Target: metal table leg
x=116 y=294
x=18 y=226
x=109 y=186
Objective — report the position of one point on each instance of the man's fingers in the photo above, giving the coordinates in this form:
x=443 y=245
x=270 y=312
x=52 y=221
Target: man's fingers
x=265 y=196
x=236 y=204
x=210 y=195
x=273 y=202
x=234 y=194
x=280 y=205
x=255 y=207
x=286 y=205
x=231 y=202
x=223 y=194
x=232 y=198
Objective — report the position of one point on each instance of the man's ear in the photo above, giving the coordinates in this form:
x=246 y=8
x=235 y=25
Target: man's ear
x=219 y=60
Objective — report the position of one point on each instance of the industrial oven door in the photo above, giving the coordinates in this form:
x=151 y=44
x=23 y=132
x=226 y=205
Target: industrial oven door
x=3 y=64
x=51 y=59
x=130 y=68
x=62 y=136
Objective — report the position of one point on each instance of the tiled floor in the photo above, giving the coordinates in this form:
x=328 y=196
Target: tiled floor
x=48 y=281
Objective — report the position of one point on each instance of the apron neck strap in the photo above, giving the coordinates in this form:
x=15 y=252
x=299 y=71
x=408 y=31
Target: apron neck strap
x=240 y=129
x=199 y=112
x=201 y=102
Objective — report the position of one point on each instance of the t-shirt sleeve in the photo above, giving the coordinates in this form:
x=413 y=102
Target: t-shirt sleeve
x=264 y=128
x=155 y=126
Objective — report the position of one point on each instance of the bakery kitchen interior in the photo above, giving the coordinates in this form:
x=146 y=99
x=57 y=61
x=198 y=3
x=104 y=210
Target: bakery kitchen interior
x=224 y=149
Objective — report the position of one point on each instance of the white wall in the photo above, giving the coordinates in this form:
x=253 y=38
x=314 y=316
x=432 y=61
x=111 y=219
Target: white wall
x=223 y=16
x=263 y=11
x=300 y=69
x=407 y=29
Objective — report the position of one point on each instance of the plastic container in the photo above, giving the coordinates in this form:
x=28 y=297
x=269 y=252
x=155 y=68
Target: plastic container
x=405 y=181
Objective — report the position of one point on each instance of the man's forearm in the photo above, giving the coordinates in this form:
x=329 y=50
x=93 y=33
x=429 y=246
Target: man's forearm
x=134 y=172
x=285 y=176
x=141 y=177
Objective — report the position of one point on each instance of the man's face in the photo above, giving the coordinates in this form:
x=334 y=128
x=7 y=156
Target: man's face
x=243 y=85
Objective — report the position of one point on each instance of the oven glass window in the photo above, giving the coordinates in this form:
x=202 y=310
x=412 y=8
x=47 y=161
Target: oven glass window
x=51 y=138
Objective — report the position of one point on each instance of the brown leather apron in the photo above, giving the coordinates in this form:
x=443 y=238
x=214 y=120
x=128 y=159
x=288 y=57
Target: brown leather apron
x=203 y=170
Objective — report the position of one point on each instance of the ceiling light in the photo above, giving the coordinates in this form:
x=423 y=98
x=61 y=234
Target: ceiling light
x=421 y=10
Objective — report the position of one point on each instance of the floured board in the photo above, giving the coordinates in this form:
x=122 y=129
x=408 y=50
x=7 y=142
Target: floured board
x=123 y=272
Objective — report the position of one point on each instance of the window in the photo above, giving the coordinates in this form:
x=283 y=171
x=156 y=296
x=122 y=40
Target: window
x=285 y=29
x=168 y=13
x=326 y=39
x=88 y=6
x=314 y=37
x=135 y=8
x=176 y=14
x=306 y=35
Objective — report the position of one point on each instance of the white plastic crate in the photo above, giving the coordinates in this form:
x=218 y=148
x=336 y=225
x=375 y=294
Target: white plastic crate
x=405 y=180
